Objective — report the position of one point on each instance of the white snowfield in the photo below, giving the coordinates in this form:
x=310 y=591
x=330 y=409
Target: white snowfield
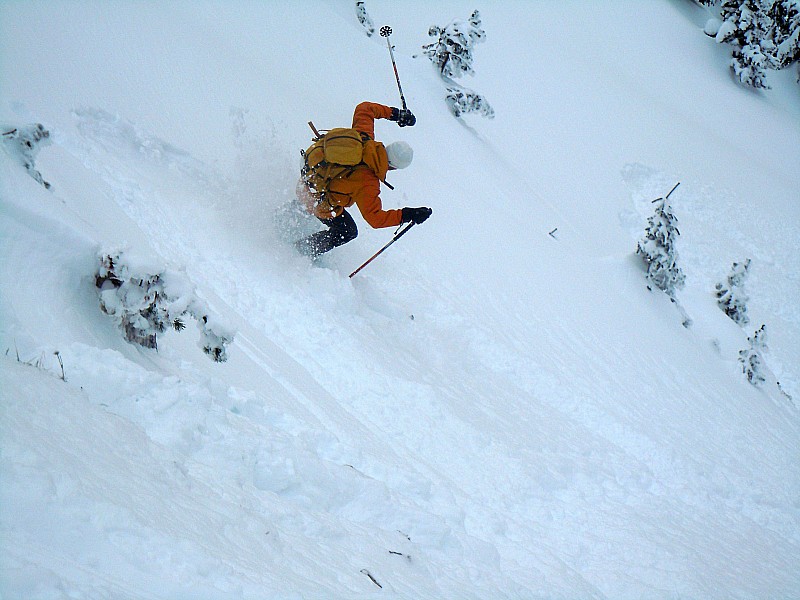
x=487 y=411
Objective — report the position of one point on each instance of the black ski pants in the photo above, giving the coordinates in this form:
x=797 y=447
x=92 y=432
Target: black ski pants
x=341 y=229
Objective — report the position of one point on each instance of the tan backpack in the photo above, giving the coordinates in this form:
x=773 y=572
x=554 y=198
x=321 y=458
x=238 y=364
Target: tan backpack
x=334 y=155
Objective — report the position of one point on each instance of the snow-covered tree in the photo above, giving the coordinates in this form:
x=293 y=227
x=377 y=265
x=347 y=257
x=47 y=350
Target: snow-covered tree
x=147 y=300
x=452 y=55
x=657 y=248
x=745 y=25
x=452 y=50
x=731 y=296
x=364 y=18
x=786 y=33
x=764 y=34
x=24 y=143
x=751 y=359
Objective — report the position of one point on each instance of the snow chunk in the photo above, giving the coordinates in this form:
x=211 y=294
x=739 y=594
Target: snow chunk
x=712 y=27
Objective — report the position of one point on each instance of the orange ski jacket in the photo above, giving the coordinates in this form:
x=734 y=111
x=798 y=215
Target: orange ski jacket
x=362 y=187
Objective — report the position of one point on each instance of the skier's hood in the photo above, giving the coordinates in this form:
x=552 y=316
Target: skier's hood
x=375 y=158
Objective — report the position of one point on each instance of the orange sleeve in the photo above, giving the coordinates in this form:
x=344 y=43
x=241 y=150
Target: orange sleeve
x=365 y=115
x=369 y=204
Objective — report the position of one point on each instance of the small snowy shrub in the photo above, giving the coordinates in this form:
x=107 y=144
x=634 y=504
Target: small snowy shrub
x=147 y=300
x=24 y=143
x=657 y=248
x=461 y=100
x=751 y=359
x=364 y=19
x=214 y=337
x=452 y=55
x=731 y=297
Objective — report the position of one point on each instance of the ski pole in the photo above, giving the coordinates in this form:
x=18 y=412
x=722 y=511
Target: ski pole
x=386 y=31
x=397 y=236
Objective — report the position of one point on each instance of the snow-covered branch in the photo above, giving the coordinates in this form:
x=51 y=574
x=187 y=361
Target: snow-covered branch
x=23 y=143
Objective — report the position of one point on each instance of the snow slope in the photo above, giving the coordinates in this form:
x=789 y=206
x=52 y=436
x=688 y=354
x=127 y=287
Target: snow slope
x=487 y=411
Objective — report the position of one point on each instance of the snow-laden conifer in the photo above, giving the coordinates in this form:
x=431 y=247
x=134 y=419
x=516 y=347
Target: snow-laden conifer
x=452 y=55
x=763 y=34
x=751 y=358
x=452 y=50
x=746 y=25
x=731 y=296
x=146 y=300
x=786 y=36
x=658 y=251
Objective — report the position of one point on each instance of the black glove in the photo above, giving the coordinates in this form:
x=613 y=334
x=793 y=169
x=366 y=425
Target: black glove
x=404 y=118
x=417 y=215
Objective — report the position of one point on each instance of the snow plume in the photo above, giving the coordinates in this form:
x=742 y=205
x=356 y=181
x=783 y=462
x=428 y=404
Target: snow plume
x=24 y=143
x=147 y=300
x=262 y=184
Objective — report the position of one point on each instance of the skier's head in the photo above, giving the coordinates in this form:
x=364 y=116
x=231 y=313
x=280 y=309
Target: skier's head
x=400 y=155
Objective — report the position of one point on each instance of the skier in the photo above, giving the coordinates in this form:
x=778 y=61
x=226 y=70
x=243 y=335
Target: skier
x=361 y=186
